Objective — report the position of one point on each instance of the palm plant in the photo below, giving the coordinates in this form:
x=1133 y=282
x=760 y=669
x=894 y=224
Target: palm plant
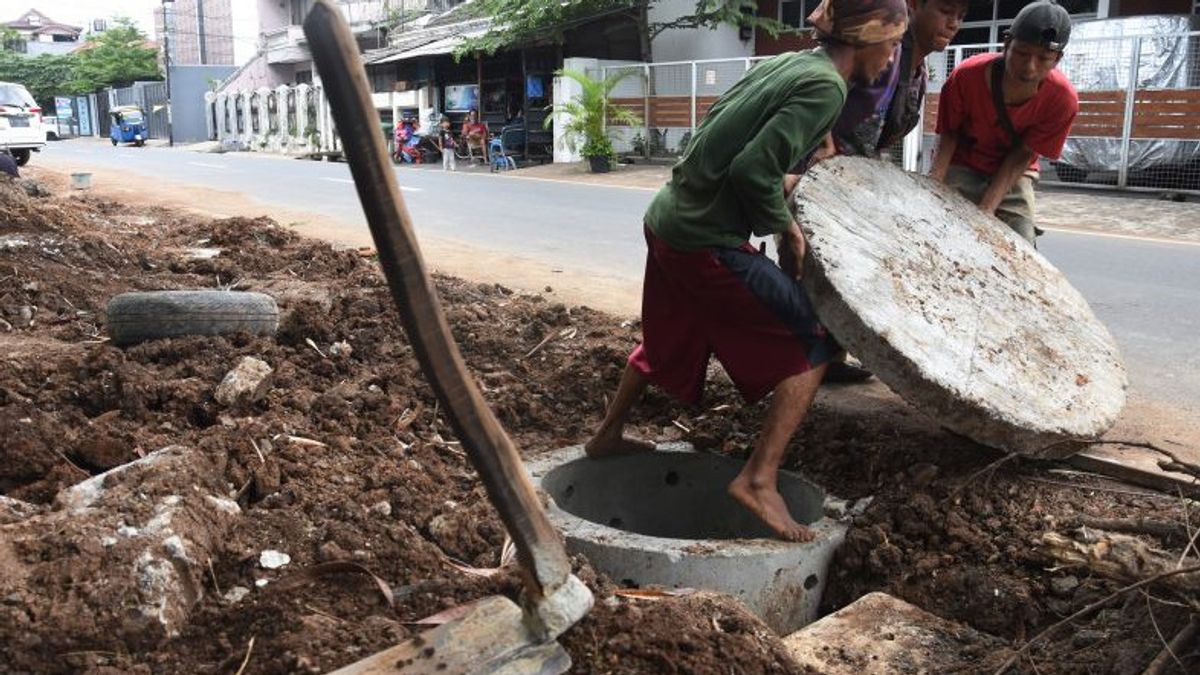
x=587 y=112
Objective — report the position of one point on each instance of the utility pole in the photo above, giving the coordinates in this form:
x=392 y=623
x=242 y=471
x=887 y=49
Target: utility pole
x=167 y=68
x=200 y=31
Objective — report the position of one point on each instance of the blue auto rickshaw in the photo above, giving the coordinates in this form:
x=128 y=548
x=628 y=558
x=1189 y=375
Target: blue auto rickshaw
x=128 y=125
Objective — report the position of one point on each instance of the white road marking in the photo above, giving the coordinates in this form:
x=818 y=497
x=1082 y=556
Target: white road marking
x=208 y=166
x=1132 y=237
x=351 y=181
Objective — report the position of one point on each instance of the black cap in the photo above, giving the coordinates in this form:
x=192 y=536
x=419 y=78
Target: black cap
x=1042 y=23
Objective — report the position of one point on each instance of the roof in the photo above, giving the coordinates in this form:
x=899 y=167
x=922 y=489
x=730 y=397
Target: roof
x=37 y=23
x=428 y=41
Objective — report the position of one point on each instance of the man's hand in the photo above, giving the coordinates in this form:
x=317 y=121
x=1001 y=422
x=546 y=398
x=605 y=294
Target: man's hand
x=789 y=184
x=826 y=150
x=792 y=250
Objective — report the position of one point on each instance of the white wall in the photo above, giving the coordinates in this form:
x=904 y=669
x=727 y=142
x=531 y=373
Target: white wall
x=693 y=45
x=272 y=14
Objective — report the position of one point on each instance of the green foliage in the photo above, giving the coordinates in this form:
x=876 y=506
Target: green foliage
x=116 y=57
x=10 y=39
x=587 y=113
x=42 y=76
x=517 y=22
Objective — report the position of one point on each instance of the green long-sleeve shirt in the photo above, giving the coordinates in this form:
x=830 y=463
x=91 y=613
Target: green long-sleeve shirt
x=729 y=182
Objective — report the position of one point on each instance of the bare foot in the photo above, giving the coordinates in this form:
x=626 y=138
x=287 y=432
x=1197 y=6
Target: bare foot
x=611 y=445
x=766 y=503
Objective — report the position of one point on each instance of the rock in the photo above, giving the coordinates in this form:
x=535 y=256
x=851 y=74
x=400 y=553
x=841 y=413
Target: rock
x=15 y=510
x=245 y=384
x=342 y=348
x=122 y=558
x=235 y=595
x=273 y=560
x=330 y=551
x=1064 y=587
x=33 y=188
x=382 y=509
x=442 y=527
x=955 y=312
x=879 y=634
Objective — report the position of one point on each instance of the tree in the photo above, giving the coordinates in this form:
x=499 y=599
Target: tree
x=516 y=22
x=587 y=112
x=43 y=76
x=116 y=57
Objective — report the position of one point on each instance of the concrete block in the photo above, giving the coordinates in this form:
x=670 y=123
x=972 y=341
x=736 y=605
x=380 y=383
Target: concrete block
x=664 y=519
x=881 y=635
x=955 y=312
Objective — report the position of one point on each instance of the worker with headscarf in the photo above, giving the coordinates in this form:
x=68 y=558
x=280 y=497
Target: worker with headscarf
x=707 y=290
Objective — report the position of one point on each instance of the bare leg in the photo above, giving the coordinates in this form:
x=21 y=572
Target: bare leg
x=756 y=487
x=609 y=438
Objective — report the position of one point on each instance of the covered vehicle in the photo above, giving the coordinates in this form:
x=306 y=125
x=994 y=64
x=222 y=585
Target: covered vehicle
x=1164 y=145
x=128 y=125
x=20 y=123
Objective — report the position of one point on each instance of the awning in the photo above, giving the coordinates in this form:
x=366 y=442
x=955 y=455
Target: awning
x=435 y=48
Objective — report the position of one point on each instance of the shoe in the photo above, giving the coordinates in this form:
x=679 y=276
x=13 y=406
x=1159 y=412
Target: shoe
x=841 y=372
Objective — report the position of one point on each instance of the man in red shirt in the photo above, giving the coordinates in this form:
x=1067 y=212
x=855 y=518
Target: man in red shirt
x=993 y=159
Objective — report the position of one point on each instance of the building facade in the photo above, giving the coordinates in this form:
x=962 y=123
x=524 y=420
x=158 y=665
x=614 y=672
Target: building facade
x=198 y=32
x=42 y=35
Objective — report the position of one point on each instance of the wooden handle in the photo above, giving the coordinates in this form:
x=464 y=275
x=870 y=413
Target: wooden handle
x=336 y=56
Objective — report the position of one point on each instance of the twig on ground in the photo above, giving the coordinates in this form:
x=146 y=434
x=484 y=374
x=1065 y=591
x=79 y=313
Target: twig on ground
x=260 y=454
x=1190 y=545
x=246 y=661
x=1158 y=631
x=990 y=467
x=1012 y=660
x=211 y=571
x=310 y=343
x=1155 y=528
x=66 y=459
x=1181 y=639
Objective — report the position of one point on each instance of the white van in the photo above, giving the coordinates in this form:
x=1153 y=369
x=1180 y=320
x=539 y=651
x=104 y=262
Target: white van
x=20 y=123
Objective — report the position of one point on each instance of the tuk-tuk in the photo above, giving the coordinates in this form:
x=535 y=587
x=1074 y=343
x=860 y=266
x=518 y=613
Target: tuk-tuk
x=128 y=125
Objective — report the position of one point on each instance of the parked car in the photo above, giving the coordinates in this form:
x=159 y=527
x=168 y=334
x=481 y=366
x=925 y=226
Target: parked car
x=20 y=123
x=50 y=126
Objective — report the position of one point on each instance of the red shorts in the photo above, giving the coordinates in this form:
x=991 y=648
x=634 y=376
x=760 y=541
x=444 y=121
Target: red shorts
x=734 y=303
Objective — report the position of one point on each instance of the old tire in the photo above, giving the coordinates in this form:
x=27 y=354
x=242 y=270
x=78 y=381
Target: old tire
x=137 y=317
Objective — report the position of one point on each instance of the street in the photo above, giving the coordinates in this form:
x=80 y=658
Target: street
x=1146 y=292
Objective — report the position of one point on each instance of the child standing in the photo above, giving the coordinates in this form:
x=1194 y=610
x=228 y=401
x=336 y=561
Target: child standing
x=445 y=140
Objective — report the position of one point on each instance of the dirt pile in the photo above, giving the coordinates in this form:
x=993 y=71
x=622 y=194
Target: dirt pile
x=346 y=458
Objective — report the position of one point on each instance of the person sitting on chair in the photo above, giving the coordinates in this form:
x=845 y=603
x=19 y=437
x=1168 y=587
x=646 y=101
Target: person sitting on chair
x=475 y=134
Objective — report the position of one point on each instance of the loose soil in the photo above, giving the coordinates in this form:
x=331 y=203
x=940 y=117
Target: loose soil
x=386 y=485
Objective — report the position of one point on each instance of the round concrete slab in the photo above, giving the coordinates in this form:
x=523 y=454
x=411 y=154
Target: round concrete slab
x=955 y=312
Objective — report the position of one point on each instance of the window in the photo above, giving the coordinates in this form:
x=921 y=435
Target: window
x=303 y=77
x=795 y=12
x=986 y=22
x=299 y=10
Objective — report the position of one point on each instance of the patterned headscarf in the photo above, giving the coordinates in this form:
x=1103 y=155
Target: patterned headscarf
x=861 y=22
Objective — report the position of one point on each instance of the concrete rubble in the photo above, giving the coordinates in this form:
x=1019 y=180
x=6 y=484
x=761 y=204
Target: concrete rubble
x=245 y=384
x=122 y=556
x=880 y=635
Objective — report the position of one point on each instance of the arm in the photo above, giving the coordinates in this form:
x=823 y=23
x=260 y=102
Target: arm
x=1015 y=163
x=947 y=144
x=792 y=248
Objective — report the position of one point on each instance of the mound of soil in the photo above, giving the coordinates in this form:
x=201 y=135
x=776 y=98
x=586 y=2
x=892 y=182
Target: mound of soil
x=346 y=458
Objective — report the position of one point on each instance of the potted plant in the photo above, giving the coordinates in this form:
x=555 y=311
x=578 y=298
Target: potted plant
x=585 y=117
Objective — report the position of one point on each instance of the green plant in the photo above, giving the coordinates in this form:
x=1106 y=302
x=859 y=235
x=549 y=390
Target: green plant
x=587 y=111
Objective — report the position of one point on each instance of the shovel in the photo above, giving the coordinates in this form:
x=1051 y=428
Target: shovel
x=496 y=635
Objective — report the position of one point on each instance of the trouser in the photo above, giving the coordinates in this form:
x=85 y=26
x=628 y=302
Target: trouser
x=1016 y=208
x=449 y=162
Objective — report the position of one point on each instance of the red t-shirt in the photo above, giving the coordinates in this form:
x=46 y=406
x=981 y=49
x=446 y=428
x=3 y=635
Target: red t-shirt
x=966 y=106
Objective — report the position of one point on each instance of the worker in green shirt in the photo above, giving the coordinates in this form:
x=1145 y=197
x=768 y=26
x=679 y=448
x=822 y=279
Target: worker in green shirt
x=707 y=290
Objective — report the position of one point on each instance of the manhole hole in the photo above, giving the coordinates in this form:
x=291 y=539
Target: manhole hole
x=664 y=519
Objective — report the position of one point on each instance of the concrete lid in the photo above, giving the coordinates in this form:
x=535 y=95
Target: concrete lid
x=955 y=312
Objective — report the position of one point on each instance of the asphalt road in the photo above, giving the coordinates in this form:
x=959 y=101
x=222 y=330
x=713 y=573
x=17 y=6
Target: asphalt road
x=1147 y=292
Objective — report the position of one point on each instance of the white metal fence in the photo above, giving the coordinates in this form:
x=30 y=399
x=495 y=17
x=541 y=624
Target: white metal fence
x=1138 y=127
